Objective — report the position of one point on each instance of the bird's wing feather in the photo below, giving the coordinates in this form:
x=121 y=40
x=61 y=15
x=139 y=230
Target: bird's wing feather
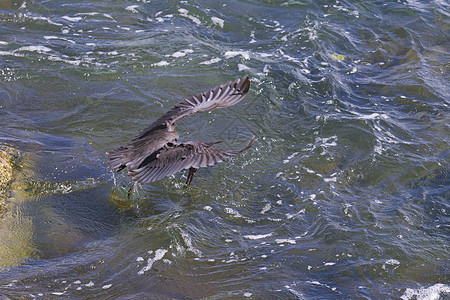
x=153 y=137
x=220 y=96
x=133 y=153
x=171 y=160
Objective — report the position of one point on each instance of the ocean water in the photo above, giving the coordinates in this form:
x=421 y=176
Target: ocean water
x=344 y=195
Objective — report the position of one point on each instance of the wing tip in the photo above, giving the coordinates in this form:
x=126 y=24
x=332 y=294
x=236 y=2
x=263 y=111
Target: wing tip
x=247 y=81
x=250 y=143
x=244 y=85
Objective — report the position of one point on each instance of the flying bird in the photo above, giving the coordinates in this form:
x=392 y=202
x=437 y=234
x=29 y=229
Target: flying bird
x=156 y=153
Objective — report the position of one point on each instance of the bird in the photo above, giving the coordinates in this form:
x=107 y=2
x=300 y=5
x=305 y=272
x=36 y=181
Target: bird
x=156 y=153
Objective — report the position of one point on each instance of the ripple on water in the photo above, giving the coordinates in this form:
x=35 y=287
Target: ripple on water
x=343 y=193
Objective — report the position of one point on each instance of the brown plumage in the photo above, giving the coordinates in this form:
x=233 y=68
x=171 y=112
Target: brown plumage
x=156 y=153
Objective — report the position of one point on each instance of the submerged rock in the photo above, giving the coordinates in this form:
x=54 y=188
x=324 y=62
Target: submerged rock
x=8 y=157
x=16 y=230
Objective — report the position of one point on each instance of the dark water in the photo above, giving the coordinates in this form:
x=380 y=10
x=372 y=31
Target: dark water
x=344 y=194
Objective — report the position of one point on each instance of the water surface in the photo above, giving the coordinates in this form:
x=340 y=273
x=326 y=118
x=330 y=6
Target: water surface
x=343 y=195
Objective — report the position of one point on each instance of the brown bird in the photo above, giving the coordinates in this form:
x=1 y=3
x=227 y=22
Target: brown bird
x=156 y=153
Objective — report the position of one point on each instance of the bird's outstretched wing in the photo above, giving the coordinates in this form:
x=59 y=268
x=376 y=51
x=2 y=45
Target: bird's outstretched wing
x=218 y=97
x=170 y=160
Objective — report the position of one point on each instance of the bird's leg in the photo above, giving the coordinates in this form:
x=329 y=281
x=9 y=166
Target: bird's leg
x=130 y=191
x=190 y=175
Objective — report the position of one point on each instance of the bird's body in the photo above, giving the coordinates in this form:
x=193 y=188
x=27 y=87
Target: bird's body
x=134 y=152
x=156 y=153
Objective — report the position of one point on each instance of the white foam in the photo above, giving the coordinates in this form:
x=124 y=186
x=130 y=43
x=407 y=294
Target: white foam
x=327 y=142
x=252 y=35
x=353 y=71
x=188 y=241
x=231 y=54
x=75 y=62
x=11 y=53
x=3 y=43
x=42 y=19
x=233 y=212
x=38 y=48
x=283 y=241
x=106 y=286
x=347 y=206
x=132 y=8
x=391 y=262
x=159 y=254
x=331 y=179
x=72 y=19
x=378 y=148
x=257 y=236
x=182 y=53
x=162 y=63
x=309 y=170
x=290 y=216
x=433 y=292
x=184 y=13
x=242 y=67
x=290 y=157
x=217 y=21
x=51 y=37
x=372 y=116
x=211 y=61
x=266 y=208
x=288 y=57
x=88 y=14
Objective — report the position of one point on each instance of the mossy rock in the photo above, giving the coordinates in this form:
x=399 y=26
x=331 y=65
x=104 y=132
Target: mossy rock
x=16 y=231
x=9 y=158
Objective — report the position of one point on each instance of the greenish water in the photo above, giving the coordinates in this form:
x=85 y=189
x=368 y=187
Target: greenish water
x=344 y=194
